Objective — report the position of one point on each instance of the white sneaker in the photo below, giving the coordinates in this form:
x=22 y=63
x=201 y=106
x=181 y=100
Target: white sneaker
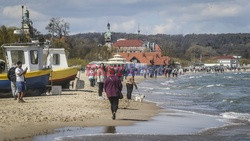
x=100 y=97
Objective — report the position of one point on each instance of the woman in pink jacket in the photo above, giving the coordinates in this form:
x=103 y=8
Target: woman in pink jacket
x=112 y=86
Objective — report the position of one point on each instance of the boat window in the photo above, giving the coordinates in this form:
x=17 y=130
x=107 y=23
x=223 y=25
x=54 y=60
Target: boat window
x=17 y=55
x=45 y=60
x=56 y=59
x=34 y=56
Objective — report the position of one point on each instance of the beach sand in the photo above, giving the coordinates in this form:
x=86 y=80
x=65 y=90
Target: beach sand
x=82 y=108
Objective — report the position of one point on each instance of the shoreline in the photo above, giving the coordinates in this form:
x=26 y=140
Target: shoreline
x=40 y=115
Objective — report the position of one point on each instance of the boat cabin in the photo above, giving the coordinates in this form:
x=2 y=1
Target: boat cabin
x=30 y=54
x=56 y=58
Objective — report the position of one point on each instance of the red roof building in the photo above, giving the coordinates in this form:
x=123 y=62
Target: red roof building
x=146 y=57
x=128 y=43
x=124 y=45
x=139 y=51
x=225 y=57
x=229 y=61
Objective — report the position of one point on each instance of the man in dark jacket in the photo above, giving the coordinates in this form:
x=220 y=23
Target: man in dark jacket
x=112 y=86
x=12 y=77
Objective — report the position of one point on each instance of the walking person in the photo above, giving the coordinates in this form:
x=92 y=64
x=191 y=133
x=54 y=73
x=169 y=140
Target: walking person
x=169 y=71
x=100 y=80
x=12 y=77
x=125 y=72
x=112 y=87
x=118 y=72
x=20 y=81
x=91 y=76
x=130 y=85
x=132 y=72
x=145 y=73
x=156 y=72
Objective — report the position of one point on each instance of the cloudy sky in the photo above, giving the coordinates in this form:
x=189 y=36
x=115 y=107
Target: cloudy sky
x=153 y=16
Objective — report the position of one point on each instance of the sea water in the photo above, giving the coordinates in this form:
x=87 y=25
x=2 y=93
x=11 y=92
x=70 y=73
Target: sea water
x=192 y=104
x=222 y=94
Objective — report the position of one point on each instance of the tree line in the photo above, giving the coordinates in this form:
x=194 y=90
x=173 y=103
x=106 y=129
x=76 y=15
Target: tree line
x=190 y=48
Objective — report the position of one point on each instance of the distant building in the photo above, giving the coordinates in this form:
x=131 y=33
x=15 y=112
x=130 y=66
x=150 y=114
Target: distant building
x=108 y=36
x=134 y=45
x=138 y=51
x=27 y=24
x=228 y=61
x=149 y=58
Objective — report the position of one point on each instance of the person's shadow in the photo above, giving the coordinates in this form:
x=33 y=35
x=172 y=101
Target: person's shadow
x=109 y=129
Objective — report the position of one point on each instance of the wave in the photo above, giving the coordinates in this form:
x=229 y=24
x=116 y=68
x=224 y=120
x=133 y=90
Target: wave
x=167 y=82
x=191 y=77
x=212 y=85
x=208 y=86
x=234 y=115
x=167 y=88
x=227 y=100
x=230 y=77
x=147 y=88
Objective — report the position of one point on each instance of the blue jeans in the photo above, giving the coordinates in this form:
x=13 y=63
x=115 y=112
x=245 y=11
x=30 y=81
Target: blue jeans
x=20 y=87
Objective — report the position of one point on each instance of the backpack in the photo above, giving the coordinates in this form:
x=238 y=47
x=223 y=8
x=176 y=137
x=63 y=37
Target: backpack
x=12 y=74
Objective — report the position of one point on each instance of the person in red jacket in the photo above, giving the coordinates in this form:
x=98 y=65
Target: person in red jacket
x=100 y=80
x=112 y=86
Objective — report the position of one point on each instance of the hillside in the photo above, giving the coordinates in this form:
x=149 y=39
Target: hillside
x=175 y=45
x=190 y=47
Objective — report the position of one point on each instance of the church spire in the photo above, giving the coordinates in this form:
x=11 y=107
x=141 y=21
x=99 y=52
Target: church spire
x=108 y=36
x=108 y=26
x=138 y=29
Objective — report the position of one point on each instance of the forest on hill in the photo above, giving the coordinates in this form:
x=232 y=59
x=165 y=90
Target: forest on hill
x=190 y=47
x=87 y=47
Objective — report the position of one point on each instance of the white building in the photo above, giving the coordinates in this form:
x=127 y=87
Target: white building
x=229 y=61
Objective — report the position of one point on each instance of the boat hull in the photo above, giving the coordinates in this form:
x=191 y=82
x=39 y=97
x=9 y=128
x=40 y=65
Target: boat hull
x=35 y=81
x=63 y=76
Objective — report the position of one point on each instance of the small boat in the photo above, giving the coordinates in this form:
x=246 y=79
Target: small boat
x=61 y=73
x=31 y=55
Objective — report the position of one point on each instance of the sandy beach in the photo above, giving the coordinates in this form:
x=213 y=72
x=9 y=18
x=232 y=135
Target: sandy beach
x=82 y=108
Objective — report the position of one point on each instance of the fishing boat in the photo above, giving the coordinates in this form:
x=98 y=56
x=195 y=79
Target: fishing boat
x=31 y=55
x=61 y=73
x=46 y=65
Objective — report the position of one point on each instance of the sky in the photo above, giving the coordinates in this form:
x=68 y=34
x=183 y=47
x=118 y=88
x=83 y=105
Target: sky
x=152 y=16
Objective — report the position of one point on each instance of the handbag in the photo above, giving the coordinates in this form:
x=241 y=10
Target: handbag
x=118 y=92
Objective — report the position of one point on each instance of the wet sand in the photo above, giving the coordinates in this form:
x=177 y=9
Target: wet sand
x=82 y=108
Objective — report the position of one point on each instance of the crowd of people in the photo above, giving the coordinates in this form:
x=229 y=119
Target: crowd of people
x=123 y=71
x=109 y=78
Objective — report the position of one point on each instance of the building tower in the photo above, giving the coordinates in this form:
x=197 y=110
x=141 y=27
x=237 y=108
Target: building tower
x=27 y=24
x=108 y=36
x=138 y=29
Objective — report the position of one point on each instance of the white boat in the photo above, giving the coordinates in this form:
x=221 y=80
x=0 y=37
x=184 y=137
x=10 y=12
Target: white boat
x=61 y=73
x=31 y=55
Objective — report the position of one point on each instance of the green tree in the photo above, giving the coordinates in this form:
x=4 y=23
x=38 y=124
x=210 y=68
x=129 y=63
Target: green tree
x=196 y=52
x=7 y=36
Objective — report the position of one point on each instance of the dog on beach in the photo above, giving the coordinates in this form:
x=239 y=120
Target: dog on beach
x=139 y=97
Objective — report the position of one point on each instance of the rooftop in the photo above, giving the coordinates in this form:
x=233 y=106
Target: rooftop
x=146 y=57
x=128 y=43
